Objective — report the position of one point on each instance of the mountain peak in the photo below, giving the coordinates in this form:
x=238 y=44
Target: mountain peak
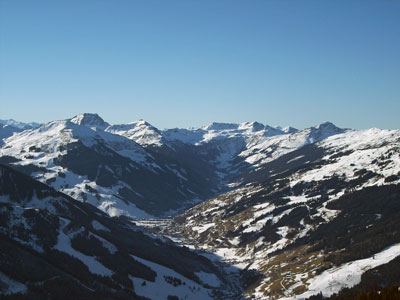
x=141 y=123
x=90 y=120
x=327 y=125
x=252 y=126
x=323 y=131
x=139 y=131
x=289 y=129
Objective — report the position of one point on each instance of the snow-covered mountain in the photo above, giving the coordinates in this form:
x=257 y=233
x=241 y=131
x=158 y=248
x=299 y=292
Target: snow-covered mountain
x=93 y=121
x=115 y=167
x=19 y=125
x=233 y=148
x=261 y=151
x=219 y=131
x=281 y=213
x=140 y=131
x=324 y=214
x=110 y=171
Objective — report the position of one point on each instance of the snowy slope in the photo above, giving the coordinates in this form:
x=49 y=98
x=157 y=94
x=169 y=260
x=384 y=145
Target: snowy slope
x=108 y=170
x=60 y=242
x=41 y=147
x=221 y=143
x=54 y=136
x=272 y=225
x=374 y=150
x=261 y=151
x=345 y=276
x=19 y=125
x=93 y=121
x=233 y=148
x=11 y=286
x=140 y=131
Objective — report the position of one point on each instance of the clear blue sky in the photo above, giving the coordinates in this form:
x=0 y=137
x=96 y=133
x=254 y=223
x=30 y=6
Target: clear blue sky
x=186 y=63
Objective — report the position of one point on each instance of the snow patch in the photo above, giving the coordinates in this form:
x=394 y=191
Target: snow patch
x=64 y=245
x=98 y=226
x=10 y=286
x=347 y=275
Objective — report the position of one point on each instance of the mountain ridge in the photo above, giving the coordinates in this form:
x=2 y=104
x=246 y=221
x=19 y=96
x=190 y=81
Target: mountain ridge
x=276 y=211
x=191 y=164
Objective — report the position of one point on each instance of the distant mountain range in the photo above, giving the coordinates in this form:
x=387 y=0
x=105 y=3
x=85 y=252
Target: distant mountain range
x=19 y=125
x=115 y=167
x=279 y=213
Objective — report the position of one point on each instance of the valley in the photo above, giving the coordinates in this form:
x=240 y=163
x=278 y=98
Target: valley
x=225 y=211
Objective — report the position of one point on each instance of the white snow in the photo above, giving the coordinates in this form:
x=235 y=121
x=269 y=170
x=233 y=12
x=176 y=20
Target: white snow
x=347 y=275
x=17 y=124
x=52 y=137
x=364 y=147
x=229 y=139
x=98 y=226
x=258 y=225
x=114 y=207
x=294 y=159
x=140 y=131
x=64 y=245
x=10 y=286
x=106 y=244
x=203 y=228
x=261 y=150
x=93 y=121
x=208 y=278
